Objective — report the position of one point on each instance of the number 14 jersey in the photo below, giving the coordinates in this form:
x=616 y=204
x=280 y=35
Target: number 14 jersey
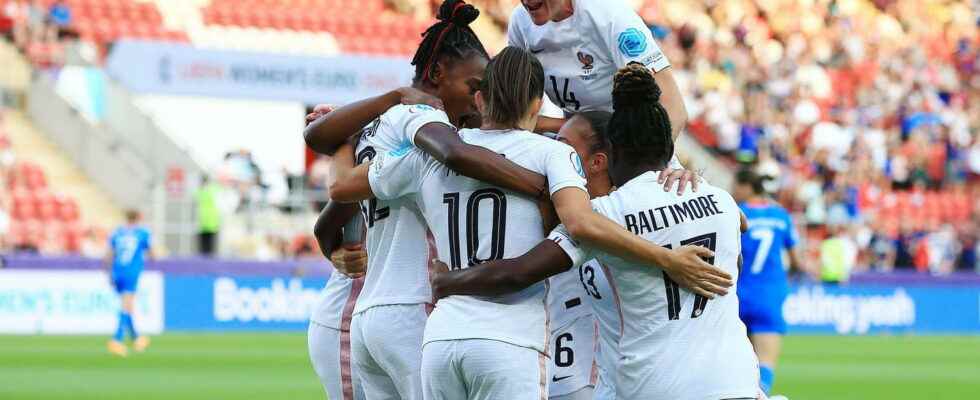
x=673 y=344
x=474 y=222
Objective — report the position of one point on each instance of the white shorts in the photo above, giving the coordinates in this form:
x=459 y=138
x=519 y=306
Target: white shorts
x=573 y=357
x=386 y=344
x=479 y=369
x=330 y=356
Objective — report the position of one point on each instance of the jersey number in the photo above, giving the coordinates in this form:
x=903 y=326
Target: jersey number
x=566 y=98
x=587 y=275
x=764 y=236
x=673 y=290
x=372 y=214
x=498 y=201
x=564 y=356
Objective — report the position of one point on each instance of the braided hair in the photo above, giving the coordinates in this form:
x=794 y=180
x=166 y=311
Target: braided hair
x=450 y=37
x=639 y=129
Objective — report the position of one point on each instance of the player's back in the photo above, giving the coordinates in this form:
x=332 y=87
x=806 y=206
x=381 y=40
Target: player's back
x=674 y=344
x=129 y=245
x=398 y=257
x=770 y=231
x=474 y=222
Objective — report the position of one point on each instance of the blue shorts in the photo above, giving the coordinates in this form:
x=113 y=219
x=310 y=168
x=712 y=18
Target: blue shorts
x=762 y=313
x=125 y=284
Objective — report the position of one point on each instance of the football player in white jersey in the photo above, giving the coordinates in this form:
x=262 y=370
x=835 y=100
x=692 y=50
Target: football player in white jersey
x=495 y=347
x=328 y=335
x=329 y=331
x=673 y=344
x=582 y=43
x=391 y=310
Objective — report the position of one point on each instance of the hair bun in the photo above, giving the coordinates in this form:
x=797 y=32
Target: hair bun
x=634 y=85
x=457 y=12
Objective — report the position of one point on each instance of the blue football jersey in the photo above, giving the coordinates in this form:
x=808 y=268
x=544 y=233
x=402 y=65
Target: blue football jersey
x=770 y=231
x=129 y=246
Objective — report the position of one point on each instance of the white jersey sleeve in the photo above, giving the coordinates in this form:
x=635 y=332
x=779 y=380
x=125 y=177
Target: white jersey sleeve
x=397 y=173
x=630 y=40
x=563 y=168
x=413 y=118
x=515 y=34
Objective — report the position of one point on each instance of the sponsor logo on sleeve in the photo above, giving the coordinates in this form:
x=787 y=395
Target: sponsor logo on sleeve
x=577 y=163
x=632 y=42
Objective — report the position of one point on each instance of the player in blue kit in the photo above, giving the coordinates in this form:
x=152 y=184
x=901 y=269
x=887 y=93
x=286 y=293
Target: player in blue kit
x=129 y=247
x=762 y=284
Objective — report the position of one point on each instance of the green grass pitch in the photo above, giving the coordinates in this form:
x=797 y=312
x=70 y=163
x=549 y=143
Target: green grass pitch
x=275 y=366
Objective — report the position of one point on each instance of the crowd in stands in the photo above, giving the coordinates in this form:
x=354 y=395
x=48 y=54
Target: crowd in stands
x=38 y=28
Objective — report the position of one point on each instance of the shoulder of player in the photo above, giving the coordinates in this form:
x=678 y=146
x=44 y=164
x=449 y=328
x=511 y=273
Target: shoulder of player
x=602 y=12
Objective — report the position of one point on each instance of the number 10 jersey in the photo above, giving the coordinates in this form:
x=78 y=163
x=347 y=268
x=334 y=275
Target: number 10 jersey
x=474 y=222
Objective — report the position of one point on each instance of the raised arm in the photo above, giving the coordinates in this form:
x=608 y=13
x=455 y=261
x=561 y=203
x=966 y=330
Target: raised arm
x=672 y=101
x=442 y=142
x=685 y=264
x=348 y=260
x=502 y=276
x=328 y=132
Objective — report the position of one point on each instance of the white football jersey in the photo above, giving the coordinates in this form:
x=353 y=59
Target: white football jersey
x=398 y=256
x=674 y=344
x=474 y=222
x=581 y=53
x=609 y=318
x=568 y=299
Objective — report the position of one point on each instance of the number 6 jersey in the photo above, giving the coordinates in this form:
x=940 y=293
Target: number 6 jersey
x=474 y=222
x=673 y=344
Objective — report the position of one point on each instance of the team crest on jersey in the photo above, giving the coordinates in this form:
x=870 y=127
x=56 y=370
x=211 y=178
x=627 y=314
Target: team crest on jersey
x=632 y=42
x=587 y=60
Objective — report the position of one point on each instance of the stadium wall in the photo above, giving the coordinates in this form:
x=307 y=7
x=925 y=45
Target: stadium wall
x=72 y=296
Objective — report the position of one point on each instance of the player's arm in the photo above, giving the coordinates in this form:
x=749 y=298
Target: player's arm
x=348 y=184
x=672 y=100
x=502 y=276
x=684 y=264
x=328 y=230
x=548 y=124
x=331 y=130
x=443 y=143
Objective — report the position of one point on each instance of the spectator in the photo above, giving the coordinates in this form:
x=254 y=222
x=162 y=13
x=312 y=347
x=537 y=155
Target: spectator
x=838 y=255
x=208 y=216
x=59 y=14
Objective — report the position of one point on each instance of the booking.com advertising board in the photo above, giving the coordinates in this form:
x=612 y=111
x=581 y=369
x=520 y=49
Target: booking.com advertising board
x=172 y=68
x=81 y=302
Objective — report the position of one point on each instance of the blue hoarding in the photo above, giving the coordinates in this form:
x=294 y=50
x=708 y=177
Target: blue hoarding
x=236 y=303
x=876 y=309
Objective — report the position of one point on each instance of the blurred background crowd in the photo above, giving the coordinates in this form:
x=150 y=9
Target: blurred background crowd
x=865 y=113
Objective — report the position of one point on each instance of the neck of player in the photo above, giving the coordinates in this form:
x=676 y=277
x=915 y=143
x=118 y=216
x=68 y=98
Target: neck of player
x=625 y=170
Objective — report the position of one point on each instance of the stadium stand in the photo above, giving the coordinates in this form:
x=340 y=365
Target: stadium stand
x=872 y=130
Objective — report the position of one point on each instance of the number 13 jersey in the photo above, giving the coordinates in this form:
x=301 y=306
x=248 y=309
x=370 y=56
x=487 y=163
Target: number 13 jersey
x=474 y=222
x=581 y=53
x=673 y=344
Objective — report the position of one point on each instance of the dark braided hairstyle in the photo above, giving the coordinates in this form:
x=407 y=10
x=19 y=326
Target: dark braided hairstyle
x=639 y=128
x=450 y=37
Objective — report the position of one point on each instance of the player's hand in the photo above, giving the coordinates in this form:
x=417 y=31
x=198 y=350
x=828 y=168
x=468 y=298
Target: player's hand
x=436 y=268
x=411 y=96
x=318 y=111
x=680 y=176
x=350 y=260
x=690 y=271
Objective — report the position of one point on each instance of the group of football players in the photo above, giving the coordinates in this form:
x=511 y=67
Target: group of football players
x=481 y=256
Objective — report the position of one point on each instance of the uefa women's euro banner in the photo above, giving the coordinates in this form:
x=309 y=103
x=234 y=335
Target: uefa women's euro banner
x=172 y=68
x=73 y=302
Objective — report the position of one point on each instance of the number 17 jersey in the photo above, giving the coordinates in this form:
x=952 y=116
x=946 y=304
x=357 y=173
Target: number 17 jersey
x=673 y=344
x=474 y=222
